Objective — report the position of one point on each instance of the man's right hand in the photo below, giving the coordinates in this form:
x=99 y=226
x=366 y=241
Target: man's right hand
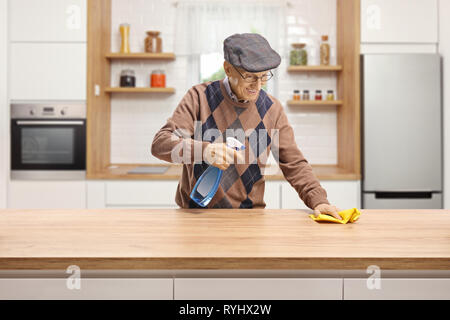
x=220 y=156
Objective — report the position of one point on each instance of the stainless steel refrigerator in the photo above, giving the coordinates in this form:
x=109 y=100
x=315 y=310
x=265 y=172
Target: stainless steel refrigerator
x=401 y=131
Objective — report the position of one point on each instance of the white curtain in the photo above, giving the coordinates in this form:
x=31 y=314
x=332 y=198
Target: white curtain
x=201 y=27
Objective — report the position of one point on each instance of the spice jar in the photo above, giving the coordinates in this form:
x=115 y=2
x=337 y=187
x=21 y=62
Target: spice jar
x=296 y=95
x=298 y=55
x=318 y=95
x=330 y=95
x=324 y=51
x=305 y=95
x=127 y=78
x=125 y=34
x=153 y=43
x=158 y=79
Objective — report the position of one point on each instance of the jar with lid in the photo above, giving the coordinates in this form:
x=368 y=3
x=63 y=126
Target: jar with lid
x=324 y=51
x=127 y=78
x=158 y=79
x=318 y=95
x=298 y=55
x=296 y=95
x=330 y=95
x=305 y=95
x=153 y=42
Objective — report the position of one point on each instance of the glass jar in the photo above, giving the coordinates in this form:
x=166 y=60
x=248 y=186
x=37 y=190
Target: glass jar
x=153 y=42
x=158 y=79
x=305 y=95
x=318 y=95
x=296 y=95
x=298 y=55
x=127 y=78
x=330 y=95
x=125 y=34
x=325 y=52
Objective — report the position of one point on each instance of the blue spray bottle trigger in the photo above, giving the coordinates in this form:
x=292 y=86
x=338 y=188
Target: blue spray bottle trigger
x=208 y=183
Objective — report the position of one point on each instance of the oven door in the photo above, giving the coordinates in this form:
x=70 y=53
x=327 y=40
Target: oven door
x=48 y=145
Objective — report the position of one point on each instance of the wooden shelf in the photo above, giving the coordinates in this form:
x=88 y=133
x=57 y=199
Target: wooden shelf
x=313 y=68
x=142 y=56
x=314 y=103
x=139 y=90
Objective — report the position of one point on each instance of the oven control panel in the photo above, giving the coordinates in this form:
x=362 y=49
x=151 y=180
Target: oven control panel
x=48 y=111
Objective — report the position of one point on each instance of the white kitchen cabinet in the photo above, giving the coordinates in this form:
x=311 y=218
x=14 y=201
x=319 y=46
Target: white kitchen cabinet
x=47 y=20
x=47 y=194
x=399 y=21
x=342 y=194
x=4 y=105
x=141 y=194
x=397 y=289
x=48 y=71
x=92 y=289
x=272 y=194
x=257 y=289
x=95 y=194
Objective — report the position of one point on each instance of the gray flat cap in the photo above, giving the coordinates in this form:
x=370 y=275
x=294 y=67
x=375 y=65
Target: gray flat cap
x=251 y=52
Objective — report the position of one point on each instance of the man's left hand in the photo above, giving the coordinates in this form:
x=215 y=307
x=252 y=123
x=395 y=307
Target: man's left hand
x=327 y=209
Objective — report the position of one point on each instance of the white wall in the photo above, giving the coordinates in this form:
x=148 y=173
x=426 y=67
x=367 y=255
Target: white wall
x=4 y=110
x=444 y=49
x=136 y=119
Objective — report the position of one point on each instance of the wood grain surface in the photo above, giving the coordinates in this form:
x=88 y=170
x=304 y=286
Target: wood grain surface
x=222 y=239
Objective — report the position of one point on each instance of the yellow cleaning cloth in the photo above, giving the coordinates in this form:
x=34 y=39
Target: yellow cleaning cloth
x=349 y=215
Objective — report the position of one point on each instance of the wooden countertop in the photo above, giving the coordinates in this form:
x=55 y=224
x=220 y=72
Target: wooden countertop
x=120 y=172
x=222 y=239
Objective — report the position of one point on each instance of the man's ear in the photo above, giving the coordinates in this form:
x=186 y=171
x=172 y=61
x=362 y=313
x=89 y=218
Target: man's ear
x=227 y=68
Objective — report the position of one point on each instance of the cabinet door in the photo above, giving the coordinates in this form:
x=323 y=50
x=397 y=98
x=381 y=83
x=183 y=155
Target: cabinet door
x=48 y=71
x=141 y=194
x=257 y=289
x=48 y=20
x=343 y=194
x=47 y=195
x=399 y=21
x=395 y=289
x=92 y=289
x=272 y=194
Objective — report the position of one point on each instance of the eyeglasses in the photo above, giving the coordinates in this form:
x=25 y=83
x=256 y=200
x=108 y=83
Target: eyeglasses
x=253 y=78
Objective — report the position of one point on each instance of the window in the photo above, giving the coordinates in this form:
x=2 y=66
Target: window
x=203 y=26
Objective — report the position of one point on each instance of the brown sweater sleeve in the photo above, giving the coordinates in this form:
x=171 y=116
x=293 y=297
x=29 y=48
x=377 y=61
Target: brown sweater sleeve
x=176 y=135
x=296 y=169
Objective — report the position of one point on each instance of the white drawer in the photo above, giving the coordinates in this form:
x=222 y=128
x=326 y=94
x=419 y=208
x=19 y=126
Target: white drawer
x=47 y=195
x=141 y=193
x=257 y=289
x=93 y=289
x=394 y=289
x=342 y=194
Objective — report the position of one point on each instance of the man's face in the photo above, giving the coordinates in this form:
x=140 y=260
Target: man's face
x=244 y=89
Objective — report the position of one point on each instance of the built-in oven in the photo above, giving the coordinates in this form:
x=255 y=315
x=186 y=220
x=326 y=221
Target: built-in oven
x=48 y=141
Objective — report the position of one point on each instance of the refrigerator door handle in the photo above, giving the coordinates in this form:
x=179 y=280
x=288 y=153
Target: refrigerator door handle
x=404 y=195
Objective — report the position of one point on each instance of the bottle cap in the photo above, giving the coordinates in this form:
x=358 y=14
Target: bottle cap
x=235 y=144
x=324 y=38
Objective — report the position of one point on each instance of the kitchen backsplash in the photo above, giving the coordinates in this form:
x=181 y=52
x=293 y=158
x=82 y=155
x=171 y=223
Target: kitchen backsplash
x=136 y=118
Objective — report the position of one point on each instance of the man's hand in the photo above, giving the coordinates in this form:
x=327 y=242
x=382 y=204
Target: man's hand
x=327 y=209
x=220 y=156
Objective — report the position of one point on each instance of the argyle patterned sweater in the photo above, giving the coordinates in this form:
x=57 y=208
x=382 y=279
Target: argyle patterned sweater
x=208 y=106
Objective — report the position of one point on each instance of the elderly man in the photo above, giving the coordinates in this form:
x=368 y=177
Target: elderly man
x=237 y=103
